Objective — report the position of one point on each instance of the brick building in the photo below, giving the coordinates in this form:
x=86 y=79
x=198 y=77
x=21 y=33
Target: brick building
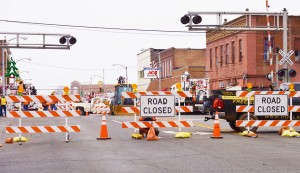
x=6 y=52
x=86 y=89
x=239 y=57
x=174 y=62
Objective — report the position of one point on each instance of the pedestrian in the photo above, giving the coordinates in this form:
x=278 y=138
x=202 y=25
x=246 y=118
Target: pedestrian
x=3 y=105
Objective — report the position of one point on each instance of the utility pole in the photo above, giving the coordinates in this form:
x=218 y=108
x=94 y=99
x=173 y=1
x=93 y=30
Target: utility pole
x=284 y=40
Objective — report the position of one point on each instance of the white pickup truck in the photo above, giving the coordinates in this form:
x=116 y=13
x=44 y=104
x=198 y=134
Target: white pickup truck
x=95 y=106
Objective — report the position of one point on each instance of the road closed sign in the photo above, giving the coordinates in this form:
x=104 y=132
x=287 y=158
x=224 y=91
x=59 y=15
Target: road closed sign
x=157 y=105
x=265 y=105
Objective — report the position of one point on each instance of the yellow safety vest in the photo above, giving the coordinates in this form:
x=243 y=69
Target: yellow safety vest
x=3 y=101
x=20 y=88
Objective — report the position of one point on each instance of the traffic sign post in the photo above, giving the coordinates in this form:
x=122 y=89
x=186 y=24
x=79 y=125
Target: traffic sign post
x=158 y=104
x=286 y=59
x=268 y=103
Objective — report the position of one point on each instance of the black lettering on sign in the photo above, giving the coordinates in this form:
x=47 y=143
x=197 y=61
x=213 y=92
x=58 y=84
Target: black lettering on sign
x=271 y=109
x=157 y=110
x=156 y=101
x=149 y=101
x=269 y=100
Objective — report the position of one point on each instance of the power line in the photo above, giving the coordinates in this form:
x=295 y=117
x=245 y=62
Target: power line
x=98 y=27
x=71 y=68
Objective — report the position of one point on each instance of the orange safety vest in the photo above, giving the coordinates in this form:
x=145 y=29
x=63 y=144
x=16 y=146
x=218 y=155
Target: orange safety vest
x=20 y=88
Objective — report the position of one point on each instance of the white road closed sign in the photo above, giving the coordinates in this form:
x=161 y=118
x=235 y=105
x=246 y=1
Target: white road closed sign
x=157 y=106
x=265 y=105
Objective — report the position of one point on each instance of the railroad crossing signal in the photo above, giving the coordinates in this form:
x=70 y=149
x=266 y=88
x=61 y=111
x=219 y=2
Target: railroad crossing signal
x=286 y=57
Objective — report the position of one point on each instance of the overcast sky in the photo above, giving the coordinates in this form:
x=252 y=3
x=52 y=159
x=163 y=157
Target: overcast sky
x=98 y=49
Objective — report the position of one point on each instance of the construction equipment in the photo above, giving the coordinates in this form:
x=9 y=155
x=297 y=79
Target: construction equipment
x=118 y=102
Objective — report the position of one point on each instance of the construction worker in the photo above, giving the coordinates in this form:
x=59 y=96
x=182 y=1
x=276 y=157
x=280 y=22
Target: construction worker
x=45 y=105
x=21 y=88
x=3 y=105
x=53 y=103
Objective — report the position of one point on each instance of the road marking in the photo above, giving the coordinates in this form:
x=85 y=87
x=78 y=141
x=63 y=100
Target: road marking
x=117 y=121
x=196 y=133
x=210 y=127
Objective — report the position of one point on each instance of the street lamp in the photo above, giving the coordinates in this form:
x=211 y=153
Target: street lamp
x=3 y=62
x=103 y=81
x=125 y=69
x=29 y=59
x=23 y=72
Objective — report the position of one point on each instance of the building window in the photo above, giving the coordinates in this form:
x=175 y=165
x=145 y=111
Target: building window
x=240 y=51
x=226 y=54
x=210 y=58
x=221 y=55
x=165 y=69
x=228 y=82
x=216 y=56
x=297 y=49
x=171 y=68
x=233 y=52
x=266 y=48
x=141 y=73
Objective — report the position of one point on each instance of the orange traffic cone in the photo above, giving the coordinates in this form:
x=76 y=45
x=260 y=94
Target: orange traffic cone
x=86 y=113
x=151 y=136
x=103 y=130
x=217 y=131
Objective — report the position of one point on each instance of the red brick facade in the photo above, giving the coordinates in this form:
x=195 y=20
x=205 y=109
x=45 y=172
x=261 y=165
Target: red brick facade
x=244 y=51
x=174 y=62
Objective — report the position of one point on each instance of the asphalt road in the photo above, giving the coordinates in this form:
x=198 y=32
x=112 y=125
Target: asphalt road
x=48 y=152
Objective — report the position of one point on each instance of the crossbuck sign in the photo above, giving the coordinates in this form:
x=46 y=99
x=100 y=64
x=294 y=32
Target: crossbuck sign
x=286 y=57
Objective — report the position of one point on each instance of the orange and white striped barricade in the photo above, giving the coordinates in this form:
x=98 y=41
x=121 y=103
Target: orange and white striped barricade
x=43 y=114
x=101 y=108
x=157 y=124
x=42 y=98
x=65 y=106
x=136 y=110
x=264 y=96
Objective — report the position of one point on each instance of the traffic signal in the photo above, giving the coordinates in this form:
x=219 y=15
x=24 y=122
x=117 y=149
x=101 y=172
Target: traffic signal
x=186 y=19
x=269 y=77
x=197 y=19
x=281 y=73
x=63 y=40
x=292 y=73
